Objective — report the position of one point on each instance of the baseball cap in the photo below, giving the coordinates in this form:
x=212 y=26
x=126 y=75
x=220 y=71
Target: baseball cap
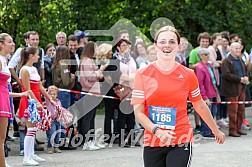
x=80 y=34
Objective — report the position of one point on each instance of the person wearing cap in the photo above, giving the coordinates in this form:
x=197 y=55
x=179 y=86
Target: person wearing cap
x=128 y=69
x=208 y=88
x=82 y=37
x=82 y=40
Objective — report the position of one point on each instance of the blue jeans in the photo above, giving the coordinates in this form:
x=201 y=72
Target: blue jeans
x=205 y=130
x=52 y=133
x=22 y=136
x=65 y=99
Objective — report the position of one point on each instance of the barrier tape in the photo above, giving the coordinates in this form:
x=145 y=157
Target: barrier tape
x=230 y=102
x=116 y=98
x=90 y=94
x=233 y=102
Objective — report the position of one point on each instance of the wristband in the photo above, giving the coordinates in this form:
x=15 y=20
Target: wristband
x=154 y=129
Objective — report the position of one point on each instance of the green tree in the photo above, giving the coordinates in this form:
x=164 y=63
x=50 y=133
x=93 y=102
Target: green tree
x=190 y=17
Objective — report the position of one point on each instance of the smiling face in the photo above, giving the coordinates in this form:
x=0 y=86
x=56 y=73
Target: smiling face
x=33 y=40
x=8 y=46
x=123 y=48
x=167 y=45
x=72 y=46
x=204 y=42
x=224 y=43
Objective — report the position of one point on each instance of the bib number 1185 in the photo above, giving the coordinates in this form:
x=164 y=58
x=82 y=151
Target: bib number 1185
x=161 y=117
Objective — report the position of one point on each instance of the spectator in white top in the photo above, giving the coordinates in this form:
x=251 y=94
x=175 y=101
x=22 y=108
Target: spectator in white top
x=33 y=40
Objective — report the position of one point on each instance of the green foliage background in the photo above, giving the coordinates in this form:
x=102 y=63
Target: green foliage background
x=190 y=17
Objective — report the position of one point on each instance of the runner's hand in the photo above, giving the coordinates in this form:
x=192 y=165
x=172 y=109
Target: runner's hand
x=220 y=137
x=166 y=136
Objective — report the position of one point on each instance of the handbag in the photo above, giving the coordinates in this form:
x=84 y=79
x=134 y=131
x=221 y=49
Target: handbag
x=122 y=91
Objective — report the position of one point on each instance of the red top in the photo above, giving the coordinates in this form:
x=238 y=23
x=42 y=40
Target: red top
x=34 y=86
x=23 y=105
x=154 y=87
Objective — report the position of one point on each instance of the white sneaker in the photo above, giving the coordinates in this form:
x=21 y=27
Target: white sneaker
x=226 y=120
x=222 y=123
x=30 y=162
x=97 y=144
x=85 y=146
x=90 y=146
x=6 y=165
x=245 y=127
x=21 y=153
x=37 y=158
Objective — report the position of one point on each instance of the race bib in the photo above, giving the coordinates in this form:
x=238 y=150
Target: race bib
x=163 y=117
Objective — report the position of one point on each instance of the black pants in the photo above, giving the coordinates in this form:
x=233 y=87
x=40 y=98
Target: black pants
x=176 y=156
x=86 y=115
x=87 y=126
x=16 y=106
x=126 y=118
x=109 y=115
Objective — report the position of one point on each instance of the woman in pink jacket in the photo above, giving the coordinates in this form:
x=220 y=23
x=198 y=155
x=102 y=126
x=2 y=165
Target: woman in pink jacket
x=90 y=77
x=208 y=89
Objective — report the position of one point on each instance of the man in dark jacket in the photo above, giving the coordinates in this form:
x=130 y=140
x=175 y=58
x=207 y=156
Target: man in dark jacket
x=234 y=80
x=75 y=62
